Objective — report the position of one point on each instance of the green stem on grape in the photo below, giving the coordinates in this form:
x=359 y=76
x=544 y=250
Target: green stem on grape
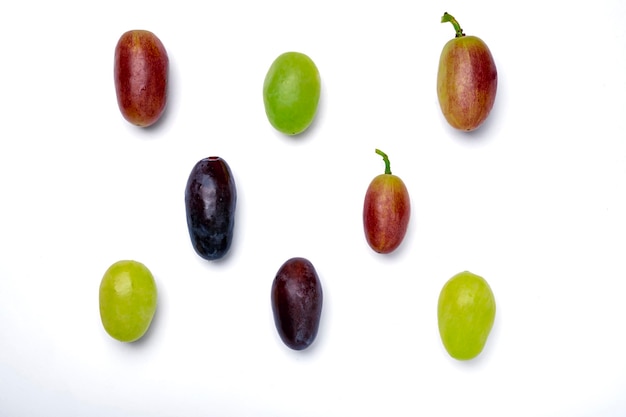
x=386 y=160
x=449 y=18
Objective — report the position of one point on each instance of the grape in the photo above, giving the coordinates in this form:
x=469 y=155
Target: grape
x=128 y=300
x=141 y=68
x=467 y=79
x=386 y=210
x=291 y=92
x=210 y=202
x=297 y=303
x=466 y=312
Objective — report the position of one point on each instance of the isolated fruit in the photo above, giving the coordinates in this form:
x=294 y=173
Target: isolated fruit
x=386 y=210
x=291 y=92
x=467 y=80
x=210 y=203
x=465 y=312
x=141 y=69
x=297 y=303
x=128 y=300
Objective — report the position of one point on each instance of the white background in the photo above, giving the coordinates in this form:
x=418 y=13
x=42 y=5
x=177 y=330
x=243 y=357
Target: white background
x=534 y=201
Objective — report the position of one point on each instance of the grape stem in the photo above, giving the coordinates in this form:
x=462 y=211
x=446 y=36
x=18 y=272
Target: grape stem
x=386 y=160
x=447 y=17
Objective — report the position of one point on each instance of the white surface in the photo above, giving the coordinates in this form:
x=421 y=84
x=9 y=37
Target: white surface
x=535 y=202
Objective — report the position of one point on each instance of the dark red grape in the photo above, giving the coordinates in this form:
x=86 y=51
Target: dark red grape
x=297 y=303
x=141 y=67
x=210 y=202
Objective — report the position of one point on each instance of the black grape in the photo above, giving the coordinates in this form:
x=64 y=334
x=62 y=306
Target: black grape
x=210 y=202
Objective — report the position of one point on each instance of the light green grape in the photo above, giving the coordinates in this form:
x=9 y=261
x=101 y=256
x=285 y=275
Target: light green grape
x=466 y=312
x=128 y=300
x=291 y=92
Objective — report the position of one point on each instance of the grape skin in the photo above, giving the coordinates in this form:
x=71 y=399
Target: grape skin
x=466 y=311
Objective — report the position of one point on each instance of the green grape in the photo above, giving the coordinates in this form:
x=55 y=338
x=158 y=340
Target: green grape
x=128 y=300
x=291 y=92
x=466 y=312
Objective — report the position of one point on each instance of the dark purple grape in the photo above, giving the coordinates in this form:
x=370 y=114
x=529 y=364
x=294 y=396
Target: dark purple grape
x=297 y=303
x=210 y=201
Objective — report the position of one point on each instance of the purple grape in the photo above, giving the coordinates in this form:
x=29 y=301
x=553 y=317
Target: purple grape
x=297 y=303
x=210 y=202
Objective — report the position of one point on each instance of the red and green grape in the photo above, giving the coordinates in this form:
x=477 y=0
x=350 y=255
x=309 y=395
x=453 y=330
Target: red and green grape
x=386 y=210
